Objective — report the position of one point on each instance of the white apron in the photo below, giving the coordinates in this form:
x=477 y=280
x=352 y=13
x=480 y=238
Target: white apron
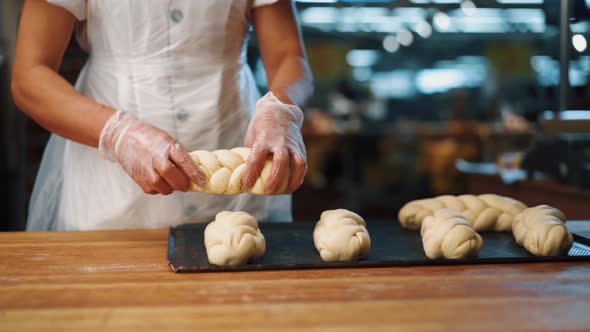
x=177 y=64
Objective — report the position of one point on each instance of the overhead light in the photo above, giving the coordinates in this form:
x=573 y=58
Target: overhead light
x=571 y=115
x=424 y=30
x=440 y=80
x=390 y=44
x=362 y=74
x=579 y=42
x=580 y=27
x=318 y=1
x=544 y=63
x=319 y=15
x=362 y=58
x=468 y=7
x=405 y=37
x=522 y=15
x=365 y=1
x=410 y=13
x=478 y=27
x=441 y=21
x=393 y=84
x=521 y=2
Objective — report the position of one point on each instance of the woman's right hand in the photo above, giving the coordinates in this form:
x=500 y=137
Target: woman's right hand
x=153 y=159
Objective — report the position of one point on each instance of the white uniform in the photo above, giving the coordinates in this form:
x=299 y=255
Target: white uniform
x=177 y=64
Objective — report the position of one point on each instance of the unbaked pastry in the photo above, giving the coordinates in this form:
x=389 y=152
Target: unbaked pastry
x=233 y=238
x=341 y=235
x=224 y=169
x=541 y=231
x=484 y=212
x=448 y=234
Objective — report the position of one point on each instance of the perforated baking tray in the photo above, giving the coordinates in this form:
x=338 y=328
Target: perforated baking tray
x=290 y=246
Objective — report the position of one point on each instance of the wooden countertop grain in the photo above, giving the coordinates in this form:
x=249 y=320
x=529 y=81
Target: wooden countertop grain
x=119 y=280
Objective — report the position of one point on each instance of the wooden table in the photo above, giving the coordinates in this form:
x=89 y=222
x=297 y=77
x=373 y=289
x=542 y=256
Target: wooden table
x=119 y=280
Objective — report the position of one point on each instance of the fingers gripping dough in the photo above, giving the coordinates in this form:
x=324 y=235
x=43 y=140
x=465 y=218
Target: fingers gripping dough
x=225 y=168
x=484 y=212
x=448 y=234
x=541 y=230
x=233 y=238
x=341 y=235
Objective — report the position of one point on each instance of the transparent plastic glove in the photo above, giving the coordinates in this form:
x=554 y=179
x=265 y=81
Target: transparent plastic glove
x=153 y=159
x=275 y=130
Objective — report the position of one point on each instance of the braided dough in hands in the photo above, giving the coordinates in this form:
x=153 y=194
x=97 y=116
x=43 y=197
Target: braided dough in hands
x=275 y=130
x=341 y=235
x=224 y=170
x=541 y=230
x=448 y=234
x=484 y=212
x=233 y=238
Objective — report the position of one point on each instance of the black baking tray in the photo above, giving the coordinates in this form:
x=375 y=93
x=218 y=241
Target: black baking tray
x=290 y=246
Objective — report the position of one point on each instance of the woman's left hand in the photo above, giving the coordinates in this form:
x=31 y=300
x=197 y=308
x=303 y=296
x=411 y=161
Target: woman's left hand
x=276 y=129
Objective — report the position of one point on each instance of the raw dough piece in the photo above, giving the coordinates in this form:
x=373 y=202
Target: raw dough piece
x=233 y=238
x=341 y=235
x=448 y=234
x=541 y=230
x=484 y=212
x=225 y=168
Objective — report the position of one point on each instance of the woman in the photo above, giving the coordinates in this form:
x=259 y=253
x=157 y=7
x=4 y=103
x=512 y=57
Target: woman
x=163 y=77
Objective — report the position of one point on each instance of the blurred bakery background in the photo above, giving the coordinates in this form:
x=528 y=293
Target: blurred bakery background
x=414 y=98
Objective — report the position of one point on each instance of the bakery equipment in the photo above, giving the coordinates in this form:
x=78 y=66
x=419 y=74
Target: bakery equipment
x=290 y=246
x=563 y=151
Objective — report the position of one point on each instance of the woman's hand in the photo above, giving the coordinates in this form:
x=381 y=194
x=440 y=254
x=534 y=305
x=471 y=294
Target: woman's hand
x=276 y=126
x=153 y=159
x=275 y=130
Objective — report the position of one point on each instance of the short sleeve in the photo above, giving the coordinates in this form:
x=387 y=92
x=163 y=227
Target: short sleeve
x=258 y=3
x=76 y=7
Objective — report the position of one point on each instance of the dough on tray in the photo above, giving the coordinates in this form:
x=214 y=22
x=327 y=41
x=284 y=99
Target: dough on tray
x=448 y=234
x=484 y=212
x=233 y=238
x=541 y=230
x=341 y=235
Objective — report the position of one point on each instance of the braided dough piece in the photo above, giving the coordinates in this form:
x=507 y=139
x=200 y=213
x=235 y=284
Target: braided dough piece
x=541 y=231
x=448 y=234
x=224 y=169
x=484 y=212
x=233 y=238
x=341 y=235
